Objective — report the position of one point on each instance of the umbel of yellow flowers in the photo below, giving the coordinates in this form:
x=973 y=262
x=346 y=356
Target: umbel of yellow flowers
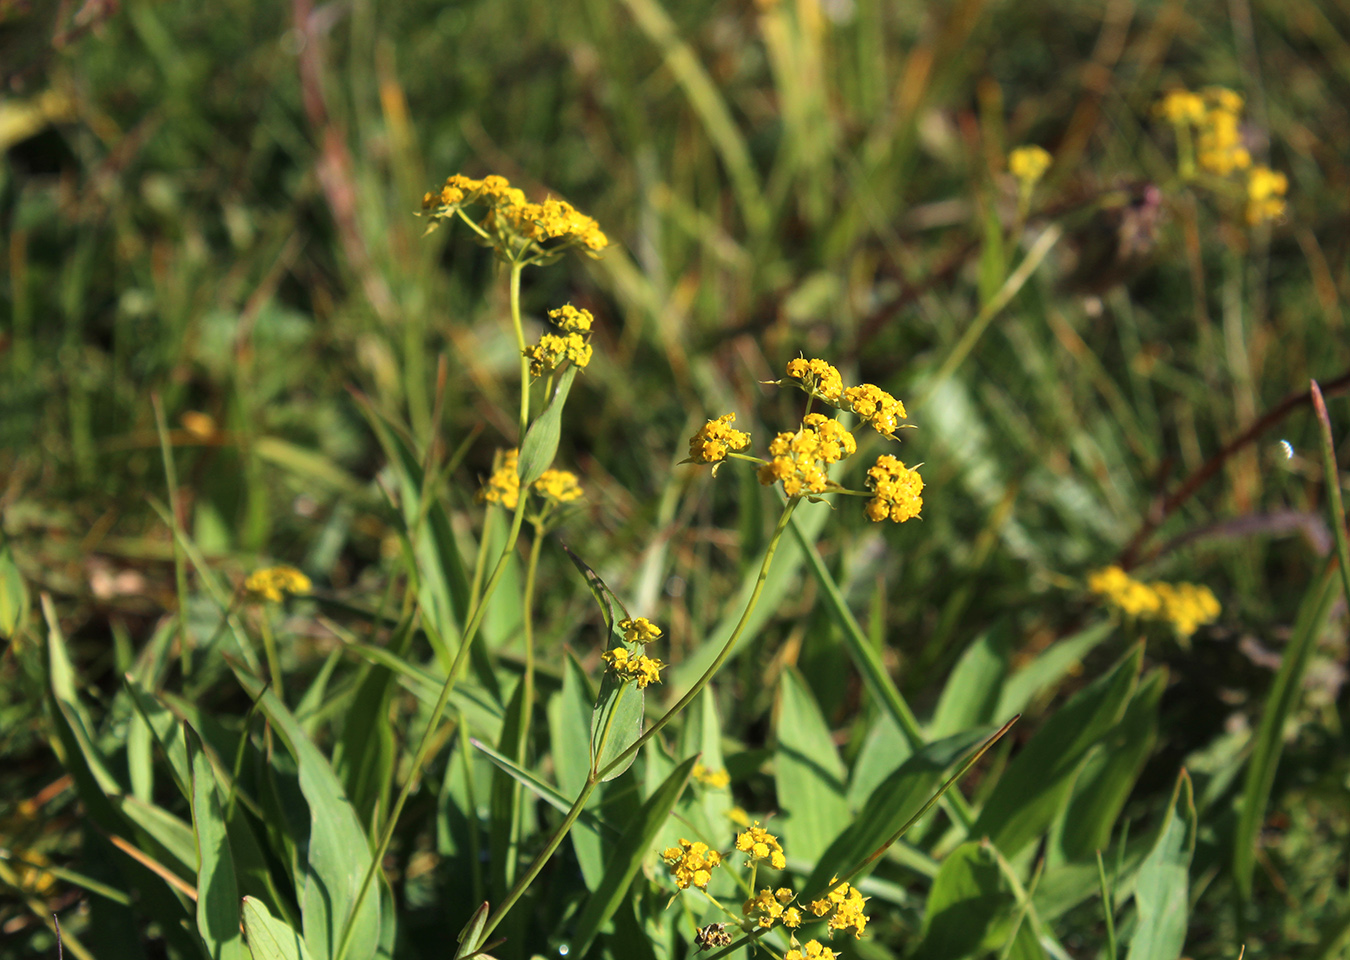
x=1186 y=606
x=512 y=224
x=800 y=459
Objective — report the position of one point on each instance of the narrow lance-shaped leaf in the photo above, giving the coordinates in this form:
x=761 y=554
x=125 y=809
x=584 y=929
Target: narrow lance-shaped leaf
x=1160 y=893
x=217 y=889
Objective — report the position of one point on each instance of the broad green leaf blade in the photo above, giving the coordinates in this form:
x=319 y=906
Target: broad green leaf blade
x=1032 y=790
x=885 y=748
x=970 y=697
x=1280 y=702
x=569 y=724
x=541 y=440
x=616 y=721
x=702 y=735
x=808 y=774
x=268 y=937
x=629 y=853
x=504 y=824
x=970 y=906
x=1100 y=792
x=1160 y=893
x=338 y=853
x=894 y=801
x=1041 y=675
x=217 y=891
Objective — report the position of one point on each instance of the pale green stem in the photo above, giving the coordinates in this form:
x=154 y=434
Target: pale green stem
x=596 y=777
x=526 y=698
x=516 y=269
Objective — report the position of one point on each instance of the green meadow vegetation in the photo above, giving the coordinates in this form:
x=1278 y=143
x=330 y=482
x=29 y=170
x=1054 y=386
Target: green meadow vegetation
x=645 y=480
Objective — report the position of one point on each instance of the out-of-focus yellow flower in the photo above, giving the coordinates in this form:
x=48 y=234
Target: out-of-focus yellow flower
x=1187 y=606
x=1219 y=146
x=817 y=378
x=738 y=816
x=800 y=459
x=1181 y=107
x=717 y=779
x=760 y=844
x=715 y=439
x=626 y=666
x=274 y=583
x=560 y=486
x=897 y=491
x=1028 y=165
x=1265 y=195
x=691 y=863
x=1120 y=590
x=845 y=905
x=876 y=406
x=503 y=487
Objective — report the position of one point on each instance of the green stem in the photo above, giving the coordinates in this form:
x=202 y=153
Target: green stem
x=526 y=699
x=1333 y=481
x=596 y=777
x=730 y=645
x=428 y=735
x=516 y=268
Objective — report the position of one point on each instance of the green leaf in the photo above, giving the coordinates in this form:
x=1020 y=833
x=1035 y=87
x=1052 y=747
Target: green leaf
x=472 y=932
x=1043 y=673
x=891 y=804
x=13 y=595
x=217 y=891
x=541 y=440
x=808 y=774
x=883 y=751
x=1160 y=893
x=1035 y=786
x=569 y=724
x=629 y=853
x=701 y=735
x=970 y=906
x=1100 y=792
x=338 y=851
x=504 y=826
x=1280 y=703
x=970 y=697
x=270 y=938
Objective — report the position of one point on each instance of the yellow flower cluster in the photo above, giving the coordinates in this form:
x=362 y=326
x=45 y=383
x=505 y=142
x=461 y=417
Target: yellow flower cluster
x=511 y=219
x=845 y=905
x=691 y=863
x=554 y=349
x=760 y=844
x=1219 y=146
x=503 y=487
x=1028 y=165
x=896 y=491
x=766 y=907
x=715 y=439
x=274 y=583
x=628 y=666
x=1265 y=195
x=717 y=779
x=800 y=459
x=817 y=378
x=811 y=950
x=560 y=486
x=639 y=630
x=1186 y=606
x=877 y=407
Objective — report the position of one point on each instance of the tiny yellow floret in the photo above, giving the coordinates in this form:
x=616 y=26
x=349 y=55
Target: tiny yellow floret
x=800 y=459
x=691 y=863
x=763 y=908
x=844 y=904
x=626 y=666
x=274 y=583
x=639 y=630
x=560 y=486
x=715 y=439
x=503 y=487
x=811 y=950
x=877 y=407
x=1028 y=165
x=817 y=378
x=760 y=844
x=897 y=491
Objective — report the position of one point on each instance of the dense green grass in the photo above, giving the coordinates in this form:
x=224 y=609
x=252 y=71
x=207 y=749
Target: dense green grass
x=219 y=216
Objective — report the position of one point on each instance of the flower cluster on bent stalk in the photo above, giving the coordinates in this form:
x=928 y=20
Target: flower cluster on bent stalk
x=1184 y=606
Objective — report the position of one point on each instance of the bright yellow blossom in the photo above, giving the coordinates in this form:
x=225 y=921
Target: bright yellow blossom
x=817 y=378
x=691 y=863
x=1265 y=195
x=800 y=459
x=1120 y=590
x=639 y=630
x=570 y=319
x=760 y=844
x=560 y=486
x=845 y=905
x=512 y=223
x=811 y=950
x=1028 y=165
x=1187 y=606
x=877 y=407
x=503 y=487
x=792 y=918
x=896 y=491
x=626 y=666
x=1182 y=107
x=715 y=439
x=274 y=583
x=763 y=908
